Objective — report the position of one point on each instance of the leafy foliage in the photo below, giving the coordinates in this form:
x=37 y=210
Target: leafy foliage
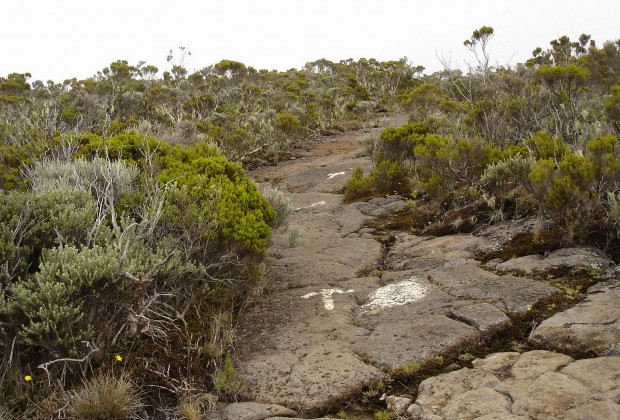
x=127 y=243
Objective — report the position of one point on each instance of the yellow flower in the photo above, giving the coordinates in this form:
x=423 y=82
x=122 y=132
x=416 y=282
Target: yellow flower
x=118 y=358
x=529 y=309
x=27 y=378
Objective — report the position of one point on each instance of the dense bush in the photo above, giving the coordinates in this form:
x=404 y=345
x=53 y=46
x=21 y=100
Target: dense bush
x=128 y=243
x=358 y=186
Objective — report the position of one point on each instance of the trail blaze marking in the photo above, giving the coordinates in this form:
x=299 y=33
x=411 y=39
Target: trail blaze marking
x=396 y=294
x=328 y=301
x=320 y=203
x=335 y=174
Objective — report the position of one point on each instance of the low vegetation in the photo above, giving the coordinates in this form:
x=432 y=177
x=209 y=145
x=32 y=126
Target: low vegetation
x=130 y=234
x=538 y=139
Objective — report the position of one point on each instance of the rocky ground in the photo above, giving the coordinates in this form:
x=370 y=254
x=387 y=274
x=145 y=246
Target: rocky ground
x=331 y=323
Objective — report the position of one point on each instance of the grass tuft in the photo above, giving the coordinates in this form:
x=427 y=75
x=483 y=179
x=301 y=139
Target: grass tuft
x=105 y=397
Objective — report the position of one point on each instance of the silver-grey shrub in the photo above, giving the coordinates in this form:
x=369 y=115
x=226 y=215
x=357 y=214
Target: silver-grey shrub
x=282 y=205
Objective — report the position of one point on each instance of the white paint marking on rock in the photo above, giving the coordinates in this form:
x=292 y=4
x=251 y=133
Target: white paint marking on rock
x=328 y=301
x=320 y=203
x=335 y=174
x=396 y=294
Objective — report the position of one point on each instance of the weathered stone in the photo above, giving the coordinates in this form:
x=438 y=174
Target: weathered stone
x=415 y=412
x=336 y=258
x=497 y=363
x=513 y=386
x=445 y=248
x=305 y=381
x=548 y=396
x=305 y=418
x=377 y=201
x=397 y=206
x=460 y=261
x=471 y=282
x=593 y=325
x=420 y=263
x=601 y=374
x=595 y=410
x=398 y=405
x=255 y=411
x=587 y=259
x=382 y=205
x=534 y=363
x=371 y=209
x=483 y=316
x=492 y=264
x=498 y=236
x=434 y=393
x=410 y=340
x=475 y=403
x=527 y=264
x=614 y=273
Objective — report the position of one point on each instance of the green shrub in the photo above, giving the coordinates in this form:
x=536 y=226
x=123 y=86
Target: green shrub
x=30 y=222
x=131 y=147
x=504 y=181
x=293 y=237
x=50 y=304
x=603 y=153
x=220 y=191
x=238 y=143
x=540 y=179
x=385 y=415
x=357 y=186
x=543 y=146
x=398 y=143
x=370 y=144
x=612 y=107
x=102 y=252
x=287 y=128
x=227 y=380
x=388 y=177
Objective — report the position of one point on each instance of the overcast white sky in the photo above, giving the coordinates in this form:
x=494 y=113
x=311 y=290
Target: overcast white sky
x=75 y=38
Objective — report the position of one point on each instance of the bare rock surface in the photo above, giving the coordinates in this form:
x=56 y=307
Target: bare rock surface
x=536 y=384
x=398 y=404
x=592 y=326
x=326 y=328
x=482 y=316
x=586 y=259
x=508 y=292
x=255 y=411
x=430 y=252
x=383 y=205
x=328 y=248
x=498 y=236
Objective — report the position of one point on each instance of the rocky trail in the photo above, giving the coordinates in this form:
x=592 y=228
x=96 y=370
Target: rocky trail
x=342 y=311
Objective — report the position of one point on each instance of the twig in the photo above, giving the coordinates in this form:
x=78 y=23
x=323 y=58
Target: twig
x=45 y=365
